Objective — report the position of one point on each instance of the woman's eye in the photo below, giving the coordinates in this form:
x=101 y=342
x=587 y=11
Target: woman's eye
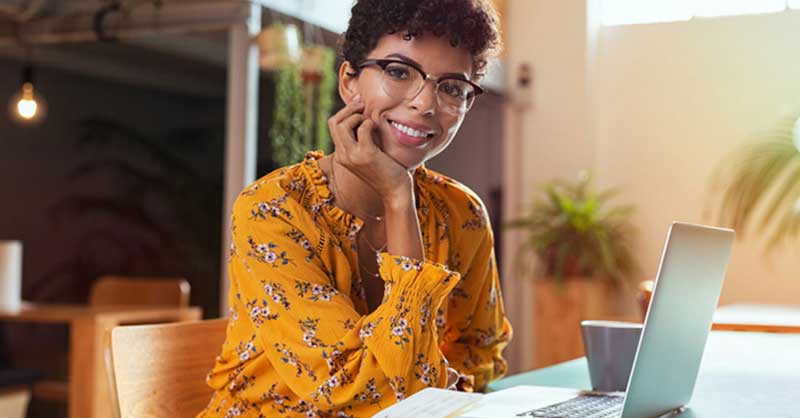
x=395 y=72
x=452 y=89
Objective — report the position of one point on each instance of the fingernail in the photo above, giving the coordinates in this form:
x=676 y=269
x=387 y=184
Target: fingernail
x=357 y=98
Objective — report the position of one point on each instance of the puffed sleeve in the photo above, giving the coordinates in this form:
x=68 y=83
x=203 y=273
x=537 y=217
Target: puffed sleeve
x=324 y=351
x=476 y=350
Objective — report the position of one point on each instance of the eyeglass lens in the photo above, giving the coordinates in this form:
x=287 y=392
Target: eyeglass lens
x=403 y=81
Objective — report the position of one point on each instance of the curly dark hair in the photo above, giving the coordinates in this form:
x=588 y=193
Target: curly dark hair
x=472 y=24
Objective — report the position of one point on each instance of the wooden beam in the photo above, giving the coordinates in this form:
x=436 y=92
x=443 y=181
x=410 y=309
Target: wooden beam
x=77 y=23
x=136 y=72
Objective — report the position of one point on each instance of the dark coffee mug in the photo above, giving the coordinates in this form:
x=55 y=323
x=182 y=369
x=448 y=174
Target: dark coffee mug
x=610 y=349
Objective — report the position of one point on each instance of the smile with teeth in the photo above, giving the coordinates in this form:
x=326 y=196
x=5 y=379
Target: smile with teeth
x=410 y=131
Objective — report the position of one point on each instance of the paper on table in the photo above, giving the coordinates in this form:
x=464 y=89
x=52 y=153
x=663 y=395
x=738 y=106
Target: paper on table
x=431 y=403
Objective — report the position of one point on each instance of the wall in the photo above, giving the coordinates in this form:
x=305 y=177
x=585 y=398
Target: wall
x=474 y=157
x=670 y=102
x=651 y=108
x=36 y=163
x=547 y=131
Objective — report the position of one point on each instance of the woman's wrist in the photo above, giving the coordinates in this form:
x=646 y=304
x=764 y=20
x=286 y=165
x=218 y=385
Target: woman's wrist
x=399 y=199
x=403 y=237
x=398 y=204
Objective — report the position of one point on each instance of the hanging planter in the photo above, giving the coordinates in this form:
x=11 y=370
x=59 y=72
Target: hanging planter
x=320 y=78
x=288 y=131
x=303 y=104
x=279 y=45
x=304 y=82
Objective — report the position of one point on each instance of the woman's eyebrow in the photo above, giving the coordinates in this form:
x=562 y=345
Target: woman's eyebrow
x=402 y=57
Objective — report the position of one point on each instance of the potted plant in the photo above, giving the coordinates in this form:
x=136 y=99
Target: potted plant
x=582 y=261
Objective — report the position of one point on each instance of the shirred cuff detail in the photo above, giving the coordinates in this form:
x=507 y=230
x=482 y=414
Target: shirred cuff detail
x=413 y=274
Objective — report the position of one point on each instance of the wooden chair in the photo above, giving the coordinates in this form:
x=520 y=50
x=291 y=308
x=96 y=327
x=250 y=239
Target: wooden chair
x=644 y=296
x=122 y=291
x=135 y=291
x=160 y=369
x=646 y=293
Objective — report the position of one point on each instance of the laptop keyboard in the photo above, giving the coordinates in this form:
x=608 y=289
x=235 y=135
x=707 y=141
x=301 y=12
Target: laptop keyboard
x=584 y=406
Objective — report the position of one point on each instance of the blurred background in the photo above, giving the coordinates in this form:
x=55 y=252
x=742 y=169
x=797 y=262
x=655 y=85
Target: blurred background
x=129 y=126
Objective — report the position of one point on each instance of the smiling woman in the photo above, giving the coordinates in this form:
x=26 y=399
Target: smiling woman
x=360 y=278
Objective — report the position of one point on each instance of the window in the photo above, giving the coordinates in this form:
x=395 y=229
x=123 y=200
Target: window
x=626 y=12
x=712 y=8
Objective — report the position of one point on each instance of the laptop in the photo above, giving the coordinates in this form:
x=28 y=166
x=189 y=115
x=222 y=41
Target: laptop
x=676 y=327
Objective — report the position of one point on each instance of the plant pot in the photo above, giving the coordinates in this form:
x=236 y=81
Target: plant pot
x=279 y=46
x=560 y=306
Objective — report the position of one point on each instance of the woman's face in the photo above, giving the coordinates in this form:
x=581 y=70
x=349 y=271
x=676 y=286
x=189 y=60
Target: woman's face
x=435 y=56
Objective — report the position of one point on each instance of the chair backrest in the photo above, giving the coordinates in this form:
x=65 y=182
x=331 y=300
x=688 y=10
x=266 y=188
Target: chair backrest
x=135 y=291
x=644 y=296
x=161 y=369
x=149 y=291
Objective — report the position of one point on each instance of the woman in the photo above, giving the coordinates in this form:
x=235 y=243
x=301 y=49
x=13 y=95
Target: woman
x=360 y=278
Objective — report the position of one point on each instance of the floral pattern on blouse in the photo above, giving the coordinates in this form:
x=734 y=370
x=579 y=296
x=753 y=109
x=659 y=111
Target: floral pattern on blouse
x=301 y=341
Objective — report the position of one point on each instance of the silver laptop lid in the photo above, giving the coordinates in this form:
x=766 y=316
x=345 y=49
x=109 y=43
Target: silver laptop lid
x=678 y=321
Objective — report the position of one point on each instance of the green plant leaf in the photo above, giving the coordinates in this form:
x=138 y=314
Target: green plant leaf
x=571 y=230
x=764 y=173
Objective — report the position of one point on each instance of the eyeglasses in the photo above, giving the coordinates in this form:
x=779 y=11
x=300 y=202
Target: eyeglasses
x=404 y=80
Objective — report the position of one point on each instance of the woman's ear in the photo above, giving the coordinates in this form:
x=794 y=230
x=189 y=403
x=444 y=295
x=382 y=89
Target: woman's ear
x=348 y=82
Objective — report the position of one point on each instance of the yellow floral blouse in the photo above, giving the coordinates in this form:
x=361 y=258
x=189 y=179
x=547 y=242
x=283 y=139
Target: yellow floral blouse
x=301 y=341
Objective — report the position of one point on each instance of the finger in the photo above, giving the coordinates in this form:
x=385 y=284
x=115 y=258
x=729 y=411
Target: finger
x=345 y=127
x=344 y=132
x=351 y=122
x=349 y=109
x=452 y=378
x=364 y=135
x=335 y=139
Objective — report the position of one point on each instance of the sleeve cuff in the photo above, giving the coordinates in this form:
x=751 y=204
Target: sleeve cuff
x=423 y=276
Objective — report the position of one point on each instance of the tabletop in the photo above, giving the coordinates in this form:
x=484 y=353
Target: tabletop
x=47 y=312
x=742 y=375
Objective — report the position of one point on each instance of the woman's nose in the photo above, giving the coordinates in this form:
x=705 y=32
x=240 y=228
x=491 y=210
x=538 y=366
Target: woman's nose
x=425 y=100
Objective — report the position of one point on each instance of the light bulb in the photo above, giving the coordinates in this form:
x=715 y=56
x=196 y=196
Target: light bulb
x=27 y=106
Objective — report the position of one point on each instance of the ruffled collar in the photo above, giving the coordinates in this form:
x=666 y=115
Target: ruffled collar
x=344 y=223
